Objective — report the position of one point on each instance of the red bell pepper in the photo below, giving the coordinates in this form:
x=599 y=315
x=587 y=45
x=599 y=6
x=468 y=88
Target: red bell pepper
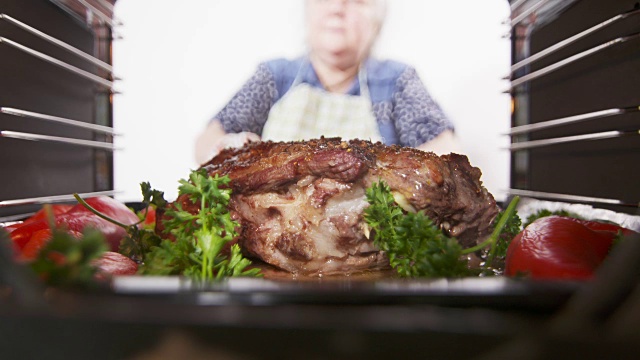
x=149 y=217
x=56 y=209
x=77 y=219
x=37 y=240
x=557 y=247
x=12 y=227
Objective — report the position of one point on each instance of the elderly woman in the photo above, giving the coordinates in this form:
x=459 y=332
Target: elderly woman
x=336 y=89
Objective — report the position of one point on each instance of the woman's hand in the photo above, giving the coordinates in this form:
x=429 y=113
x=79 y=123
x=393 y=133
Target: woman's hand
x=445 y=143
x=214 y=139
x=232 y=141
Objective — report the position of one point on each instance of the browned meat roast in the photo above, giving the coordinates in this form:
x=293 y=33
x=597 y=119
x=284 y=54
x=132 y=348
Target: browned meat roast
x=300 y=204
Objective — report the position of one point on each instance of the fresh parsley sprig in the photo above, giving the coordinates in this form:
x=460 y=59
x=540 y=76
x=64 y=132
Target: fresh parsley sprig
x=506 y=226
x=200 y=237
x=414 y=245
x=418 y=248
x=511 y=228
x=68 y=262
x=138 y=241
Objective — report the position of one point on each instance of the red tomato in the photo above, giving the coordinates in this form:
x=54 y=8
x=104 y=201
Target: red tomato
x=113 y=263
x=557 y=247
x=603 y=226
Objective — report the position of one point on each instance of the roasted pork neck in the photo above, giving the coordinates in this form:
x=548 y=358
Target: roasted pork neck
x=300 y=204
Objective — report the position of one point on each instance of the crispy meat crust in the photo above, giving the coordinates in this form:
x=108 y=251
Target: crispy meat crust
x=300 y=203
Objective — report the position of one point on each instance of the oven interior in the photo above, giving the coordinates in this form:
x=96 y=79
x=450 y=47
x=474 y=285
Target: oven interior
x=575 y=140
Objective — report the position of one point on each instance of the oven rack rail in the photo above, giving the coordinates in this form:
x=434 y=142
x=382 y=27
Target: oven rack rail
x=557 y=65
x=517 y=81
x=46 y=200
x=98 y=145
x=95 y=15
x=104 y=82
x=103 y=145
x=566 y=42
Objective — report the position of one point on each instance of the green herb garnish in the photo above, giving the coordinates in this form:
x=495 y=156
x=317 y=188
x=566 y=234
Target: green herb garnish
x=199 y=238
x=414 y=245
x=512 y=227
x=140 y=240
x=506 y=226
x=137 y=241
x=65 y=261
x=418 y=248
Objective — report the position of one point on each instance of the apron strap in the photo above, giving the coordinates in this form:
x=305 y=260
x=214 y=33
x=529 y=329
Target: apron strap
x=298 y=79
x=362 y=77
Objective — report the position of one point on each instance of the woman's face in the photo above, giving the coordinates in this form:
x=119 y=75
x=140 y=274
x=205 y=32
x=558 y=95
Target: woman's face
x=341 y=31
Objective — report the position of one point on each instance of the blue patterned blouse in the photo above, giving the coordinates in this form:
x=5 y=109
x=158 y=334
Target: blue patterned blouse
x=406 y=113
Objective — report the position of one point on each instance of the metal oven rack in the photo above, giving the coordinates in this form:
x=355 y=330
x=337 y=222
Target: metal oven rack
x=57 y=84
x=575 y=87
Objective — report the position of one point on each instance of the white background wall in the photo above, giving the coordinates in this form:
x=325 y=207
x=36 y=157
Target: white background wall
x=181 y=61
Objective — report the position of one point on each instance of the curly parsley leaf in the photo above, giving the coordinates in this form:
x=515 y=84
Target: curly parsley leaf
x=168 y=258
x=138 y=242
x=426 y=251
x=141 y=237
x=414 y=245
x=235 y=265
x=152 y=196
x=200 y=237
x=498 y=242
x=65 y=261
x=512 y=227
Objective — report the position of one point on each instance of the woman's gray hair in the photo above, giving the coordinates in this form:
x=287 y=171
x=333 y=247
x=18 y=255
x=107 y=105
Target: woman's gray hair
x=379 y=16
x=379 y=12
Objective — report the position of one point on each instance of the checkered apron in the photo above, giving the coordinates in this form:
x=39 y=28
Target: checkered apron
x=306 y=112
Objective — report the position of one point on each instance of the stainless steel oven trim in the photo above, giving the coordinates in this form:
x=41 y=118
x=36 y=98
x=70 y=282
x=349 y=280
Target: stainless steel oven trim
x=104 y=18
x=527 y=12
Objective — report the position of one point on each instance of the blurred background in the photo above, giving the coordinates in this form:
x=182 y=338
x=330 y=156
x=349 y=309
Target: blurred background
x=180 y=62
